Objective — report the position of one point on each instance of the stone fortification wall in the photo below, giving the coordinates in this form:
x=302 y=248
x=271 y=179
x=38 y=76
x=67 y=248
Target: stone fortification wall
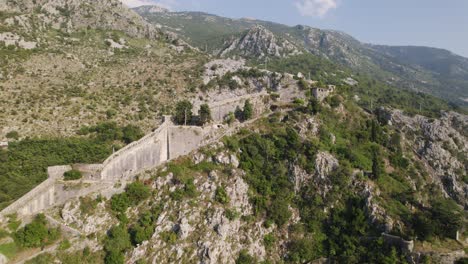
x=322 y=93
x=166 y=143
x=289 y=94
x=148 y=152
x=219 y=110
x=404 y=245
x=183 y=140
x=40 y=198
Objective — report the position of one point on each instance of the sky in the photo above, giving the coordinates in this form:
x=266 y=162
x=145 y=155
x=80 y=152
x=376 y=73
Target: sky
x=433 y=23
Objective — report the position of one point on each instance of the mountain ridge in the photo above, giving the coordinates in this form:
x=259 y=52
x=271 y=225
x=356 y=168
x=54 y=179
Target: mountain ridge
x=214 y=33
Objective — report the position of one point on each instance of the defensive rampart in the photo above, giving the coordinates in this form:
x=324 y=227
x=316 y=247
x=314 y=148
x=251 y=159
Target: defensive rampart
x=148 y=152
x=165 y=143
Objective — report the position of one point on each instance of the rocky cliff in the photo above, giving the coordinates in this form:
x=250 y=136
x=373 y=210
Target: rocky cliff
x=72 y=15
x=259 y=42
x=441 y=144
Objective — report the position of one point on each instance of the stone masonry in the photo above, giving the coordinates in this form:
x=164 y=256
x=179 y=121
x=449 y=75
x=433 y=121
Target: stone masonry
x=166 y=143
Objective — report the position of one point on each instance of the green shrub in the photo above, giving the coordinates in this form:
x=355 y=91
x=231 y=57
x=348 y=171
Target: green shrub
x=137 y=192
x=245 y=258
x=111 y=113
x=88 y=205
x=231 y=214
x=170 y=237
x=423 y=226
x=303 y=250
x=335 y=101
x=302 y=84
x=120 y=202
x=221 y=195
x=131 y=133
x=230 y=118
x=13 y=222
x=143 y=230
x=189 y=190
x=72 y=175
x=64 y=245
x=313 y=107
x=36 y=234
x=116 y=244
x=13 y=135
x=279 y=211
x=248 y=111
x=9 y=250
x=269 y=240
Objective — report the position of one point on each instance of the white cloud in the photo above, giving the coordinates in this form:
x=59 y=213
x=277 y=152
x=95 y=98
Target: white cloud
x=169 y=4
x=315 y=8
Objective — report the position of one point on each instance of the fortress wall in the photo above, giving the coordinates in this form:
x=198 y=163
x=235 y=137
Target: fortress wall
x=220 y=110
x=183 y=140
x=40 y=198
x=146 y=153
x=289 y=94
x=68 y=191
x=404 y=245
x=165 y=143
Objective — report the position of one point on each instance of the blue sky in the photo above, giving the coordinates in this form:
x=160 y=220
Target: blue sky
x=434 y=23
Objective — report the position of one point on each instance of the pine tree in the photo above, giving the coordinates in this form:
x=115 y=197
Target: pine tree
x=248 y=110
x=376 y=164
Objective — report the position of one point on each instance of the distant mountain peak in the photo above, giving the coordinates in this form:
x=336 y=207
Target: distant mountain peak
x=260 y=42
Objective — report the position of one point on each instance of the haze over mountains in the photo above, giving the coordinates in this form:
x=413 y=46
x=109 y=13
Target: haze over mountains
x=430 y=70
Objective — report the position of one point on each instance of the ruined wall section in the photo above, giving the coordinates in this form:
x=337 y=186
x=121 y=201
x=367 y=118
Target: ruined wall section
x=221 y=109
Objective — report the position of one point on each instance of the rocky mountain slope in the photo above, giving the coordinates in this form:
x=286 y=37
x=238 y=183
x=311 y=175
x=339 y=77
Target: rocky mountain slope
x=441 y=145
x=66 y=64
x=70 y=16
x=220 y=204
x=432 y=71
x=258 y=42
x=304 y=171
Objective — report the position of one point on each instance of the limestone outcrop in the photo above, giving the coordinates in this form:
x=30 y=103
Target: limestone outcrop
x=205 y=234
x=259 y=42
x=75 y=15
x=325 y=163
x=441 y=144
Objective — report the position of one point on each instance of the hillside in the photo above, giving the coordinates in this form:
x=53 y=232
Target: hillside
x=416 y=71
x=65 y=66
x=202 y=139
x=307 y=181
